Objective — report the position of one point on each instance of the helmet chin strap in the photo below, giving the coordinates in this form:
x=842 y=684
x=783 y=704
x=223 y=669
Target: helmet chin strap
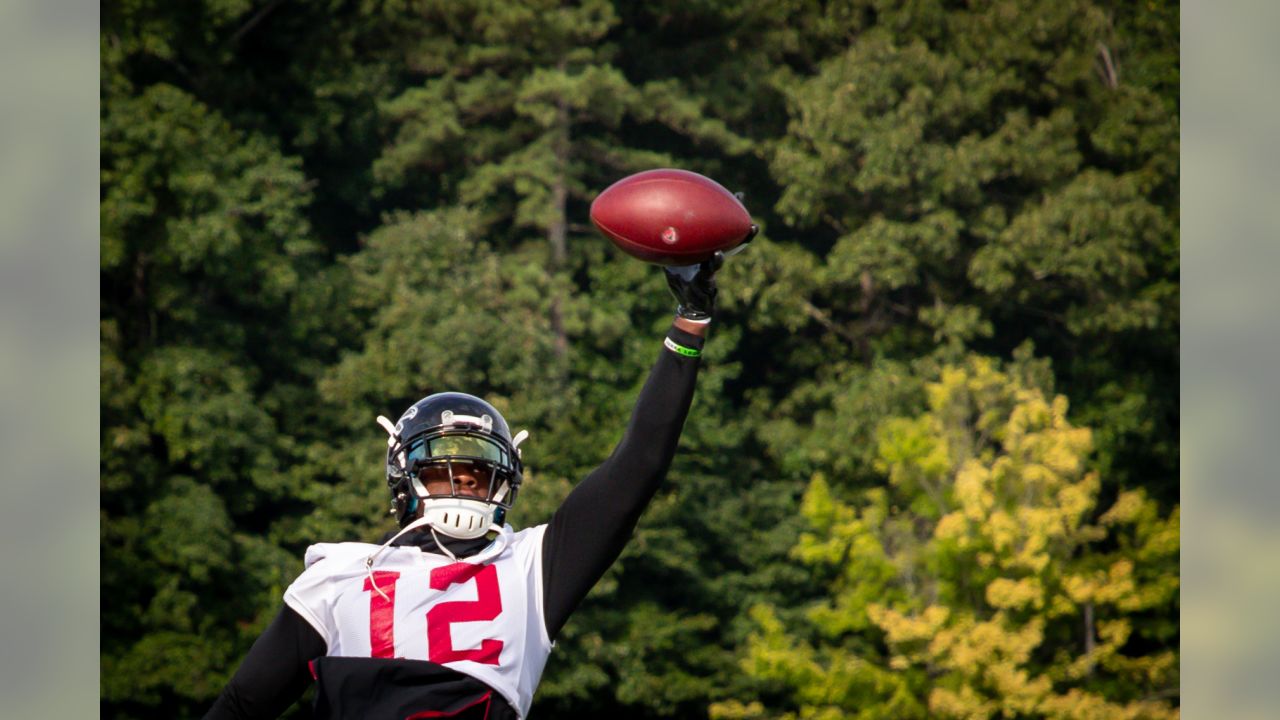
x=440 y=544
x=427 y=521
x=368 y=562
x=498 y=545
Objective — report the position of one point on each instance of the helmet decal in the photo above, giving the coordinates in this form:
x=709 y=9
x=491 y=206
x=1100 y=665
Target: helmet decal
x=408 y=415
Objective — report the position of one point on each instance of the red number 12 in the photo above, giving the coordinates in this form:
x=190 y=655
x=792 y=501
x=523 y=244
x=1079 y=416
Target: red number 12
x=486 y=606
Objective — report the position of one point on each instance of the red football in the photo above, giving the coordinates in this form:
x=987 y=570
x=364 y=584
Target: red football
x=670 y=217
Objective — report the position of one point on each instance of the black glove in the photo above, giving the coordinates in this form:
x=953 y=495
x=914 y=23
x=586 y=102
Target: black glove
x=695 y=288
x=695 y=285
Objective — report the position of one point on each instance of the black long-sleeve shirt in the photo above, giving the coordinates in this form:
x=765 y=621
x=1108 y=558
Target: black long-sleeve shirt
x=583 y=538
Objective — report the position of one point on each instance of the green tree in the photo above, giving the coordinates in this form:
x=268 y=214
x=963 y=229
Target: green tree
x=207 y=263
x=981 y=581
x=201 y=228
x=973 y=177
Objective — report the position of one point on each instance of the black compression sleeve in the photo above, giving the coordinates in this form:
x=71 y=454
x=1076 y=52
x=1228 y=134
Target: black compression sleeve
x=589 y=530
x=274 y=674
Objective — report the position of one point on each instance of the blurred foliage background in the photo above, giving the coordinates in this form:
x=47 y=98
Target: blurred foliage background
x=931 y=467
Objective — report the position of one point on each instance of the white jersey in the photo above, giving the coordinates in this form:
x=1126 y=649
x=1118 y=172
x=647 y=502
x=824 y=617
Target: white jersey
x=481 y=616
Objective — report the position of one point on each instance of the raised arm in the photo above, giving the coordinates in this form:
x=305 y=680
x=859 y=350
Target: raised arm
x=589 y=530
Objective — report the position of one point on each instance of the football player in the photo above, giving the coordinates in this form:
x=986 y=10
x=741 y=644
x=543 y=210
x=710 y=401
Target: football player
x=454 y=616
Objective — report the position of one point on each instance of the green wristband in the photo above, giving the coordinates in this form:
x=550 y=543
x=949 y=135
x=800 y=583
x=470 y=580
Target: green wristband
x=679 y=349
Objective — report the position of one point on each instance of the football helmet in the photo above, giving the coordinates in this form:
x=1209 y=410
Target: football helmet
x=452 y=461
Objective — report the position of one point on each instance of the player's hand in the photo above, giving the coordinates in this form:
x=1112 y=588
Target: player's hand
x=694 y=286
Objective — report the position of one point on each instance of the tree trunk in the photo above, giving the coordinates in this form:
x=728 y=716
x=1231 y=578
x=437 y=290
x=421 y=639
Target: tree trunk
x=1090 y=642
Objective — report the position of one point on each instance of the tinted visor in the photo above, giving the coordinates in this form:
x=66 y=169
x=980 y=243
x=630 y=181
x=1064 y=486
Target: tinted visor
x=458 y=446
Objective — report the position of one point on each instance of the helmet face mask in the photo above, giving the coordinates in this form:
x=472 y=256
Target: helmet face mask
x=456 y=478
x=451 y=460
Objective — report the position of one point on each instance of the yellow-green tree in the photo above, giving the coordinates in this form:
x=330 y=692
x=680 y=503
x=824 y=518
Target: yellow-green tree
x=981 y=581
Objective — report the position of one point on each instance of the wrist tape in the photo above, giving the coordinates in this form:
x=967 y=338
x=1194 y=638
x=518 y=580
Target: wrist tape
x=679 y=349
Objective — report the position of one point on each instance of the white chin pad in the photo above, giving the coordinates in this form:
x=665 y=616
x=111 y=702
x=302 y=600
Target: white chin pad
x=458 y=517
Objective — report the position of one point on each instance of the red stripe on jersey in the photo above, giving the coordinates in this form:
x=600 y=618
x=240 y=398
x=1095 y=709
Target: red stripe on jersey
x=382 y=613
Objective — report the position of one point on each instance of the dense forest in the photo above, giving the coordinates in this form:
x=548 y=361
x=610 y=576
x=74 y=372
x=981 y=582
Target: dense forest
x=931 y=468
